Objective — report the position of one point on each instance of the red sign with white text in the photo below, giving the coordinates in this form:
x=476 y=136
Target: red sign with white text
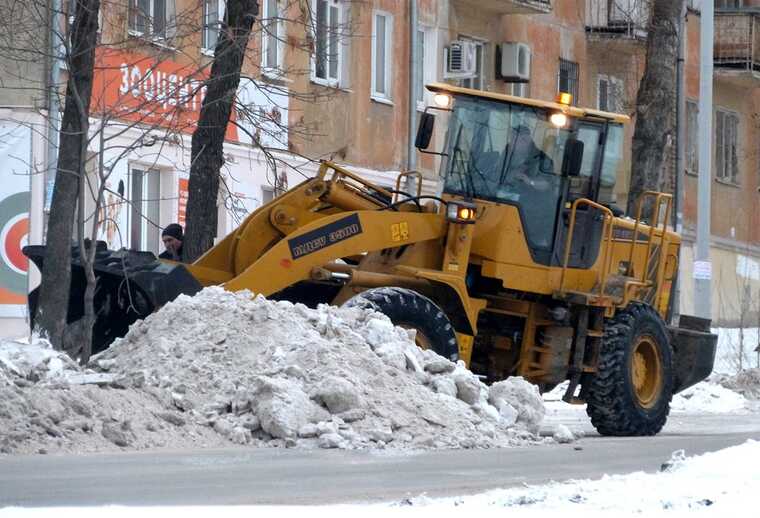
x=135 y=87
x=182 y=201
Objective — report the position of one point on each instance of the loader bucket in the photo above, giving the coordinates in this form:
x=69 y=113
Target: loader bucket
x=130 y=285
x=694 y=351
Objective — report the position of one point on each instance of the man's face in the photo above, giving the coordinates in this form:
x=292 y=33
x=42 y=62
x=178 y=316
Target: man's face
x=172 y=244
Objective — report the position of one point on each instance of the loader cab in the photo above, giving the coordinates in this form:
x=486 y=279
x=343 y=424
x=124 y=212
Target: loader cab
x=534 y=155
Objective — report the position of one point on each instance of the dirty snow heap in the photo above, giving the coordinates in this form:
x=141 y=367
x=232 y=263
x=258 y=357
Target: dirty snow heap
x=226 y=367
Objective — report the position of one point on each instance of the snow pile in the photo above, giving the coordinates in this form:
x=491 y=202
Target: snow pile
x=221 y=367
x=722 y=483
x=275 y=373
x=34 y=361
x=746 y=383
x=708 y=398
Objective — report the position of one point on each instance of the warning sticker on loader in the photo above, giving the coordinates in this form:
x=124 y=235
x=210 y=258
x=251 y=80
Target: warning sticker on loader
x=323 y=237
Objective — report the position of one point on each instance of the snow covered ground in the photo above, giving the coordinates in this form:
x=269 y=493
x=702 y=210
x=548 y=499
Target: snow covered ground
x=722 y=483
x=717 y=484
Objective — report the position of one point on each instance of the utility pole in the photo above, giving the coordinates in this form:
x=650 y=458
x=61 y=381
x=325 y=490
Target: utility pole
x=414 y=60
x=53 y=105
x=702 y=264
x=680 y=152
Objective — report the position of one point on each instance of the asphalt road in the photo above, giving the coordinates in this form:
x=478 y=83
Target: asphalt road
x=245 y=476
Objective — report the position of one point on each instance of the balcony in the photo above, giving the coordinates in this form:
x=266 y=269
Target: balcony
x=617 y=19
x=511 y=6
x=736 y=52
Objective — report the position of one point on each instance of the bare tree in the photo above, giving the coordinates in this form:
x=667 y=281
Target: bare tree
x=208 y=138
x=656 y=100
x=148 y=111
x=56 y=272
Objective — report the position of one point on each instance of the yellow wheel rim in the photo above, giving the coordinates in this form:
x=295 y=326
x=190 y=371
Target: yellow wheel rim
x=422 y=341
x=646 y=371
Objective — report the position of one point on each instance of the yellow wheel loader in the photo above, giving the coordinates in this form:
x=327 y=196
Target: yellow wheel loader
x=517 y=267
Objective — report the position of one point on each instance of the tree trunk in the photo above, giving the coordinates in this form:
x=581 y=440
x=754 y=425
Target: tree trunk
x=656 y=101
x=56 y=272
x=208 y=139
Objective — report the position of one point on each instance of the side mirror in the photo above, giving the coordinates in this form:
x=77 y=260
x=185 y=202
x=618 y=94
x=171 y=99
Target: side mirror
x=572 y=158
x=425 y=131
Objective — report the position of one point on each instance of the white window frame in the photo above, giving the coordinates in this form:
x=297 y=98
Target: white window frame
x=169 y=19
x=267 y=191
x=140 y=210
x=339 y=53
x=268 y=38
x=387 y=94
x=220 y=11
x=429 y=62
x=480 y=75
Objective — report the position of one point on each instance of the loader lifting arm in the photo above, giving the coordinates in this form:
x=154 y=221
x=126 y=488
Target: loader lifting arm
x=332 y=216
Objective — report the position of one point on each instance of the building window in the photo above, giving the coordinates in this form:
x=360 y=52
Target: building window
x=151 y=18
x=726 y=146
x=692 y=151
x=213 y=18
x=419 y=87
x=267 y=194
x=382 y=39
x=478 y=80
x=326 y=68
x=427 y=64
x=520 y=89
x=144 y=230
x=728 y=4
x=273 y=33
x=610 y=94
x=567 y=79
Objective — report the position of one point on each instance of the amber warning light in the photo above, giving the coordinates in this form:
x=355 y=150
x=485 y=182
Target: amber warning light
x=461 y=212
x=565 y=98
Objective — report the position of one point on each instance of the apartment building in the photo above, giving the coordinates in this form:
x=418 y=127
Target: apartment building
x=330 y=79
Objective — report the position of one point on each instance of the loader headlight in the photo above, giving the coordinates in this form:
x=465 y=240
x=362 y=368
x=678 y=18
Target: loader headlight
x=558 y=119
x=442 y=100
x=461 y=212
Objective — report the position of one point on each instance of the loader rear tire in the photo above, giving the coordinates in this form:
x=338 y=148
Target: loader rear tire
x=411 y=310
x=631 y=392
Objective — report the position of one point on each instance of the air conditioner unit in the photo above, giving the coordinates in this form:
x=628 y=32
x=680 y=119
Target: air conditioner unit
x=462 y=59
x=515 y=62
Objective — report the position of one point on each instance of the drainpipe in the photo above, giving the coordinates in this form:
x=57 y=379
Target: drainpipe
x=702 y=264
x=411 y=153
x=53 y=105
x=680 y=152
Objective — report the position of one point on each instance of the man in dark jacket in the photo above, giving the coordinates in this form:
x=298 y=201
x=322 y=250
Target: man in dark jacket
x=172 y=236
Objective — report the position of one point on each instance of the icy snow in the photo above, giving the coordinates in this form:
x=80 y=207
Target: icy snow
x=722 y=483
x=708 y=398
x=222 y=368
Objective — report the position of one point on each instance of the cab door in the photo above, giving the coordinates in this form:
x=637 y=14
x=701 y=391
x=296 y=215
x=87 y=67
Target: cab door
x=589 y=221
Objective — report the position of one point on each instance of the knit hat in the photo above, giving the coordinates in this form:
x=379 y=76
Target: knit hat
x=174 y=230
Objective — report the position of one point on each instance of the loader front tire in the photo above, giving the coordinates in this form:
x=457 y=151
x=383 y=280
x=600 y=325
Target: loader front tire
x=631 y=392
x=411 y=310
